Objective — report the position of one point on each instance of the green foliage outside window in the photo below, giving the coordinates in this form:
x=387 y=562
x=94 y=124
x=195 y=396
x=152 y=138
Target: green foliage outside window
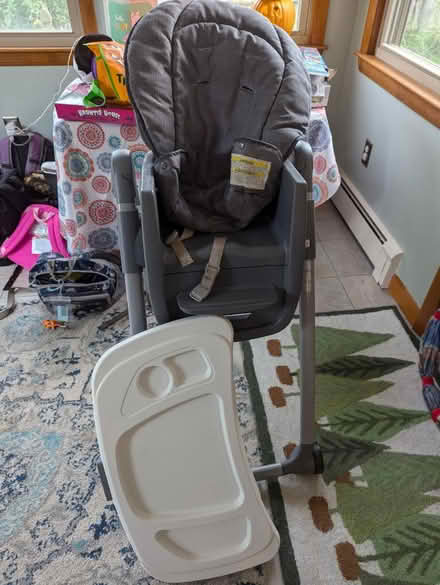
x=422 y=31
x=16 y=15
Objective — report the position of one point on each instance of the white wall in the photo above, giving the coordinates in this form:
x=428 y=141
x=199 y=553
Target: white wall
x=26 y=91
x=402 y=181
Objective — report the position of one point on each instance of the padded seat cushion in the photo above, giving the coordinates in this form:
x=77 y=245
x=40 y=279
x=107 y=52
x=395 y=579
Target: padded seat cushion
x=221 y=97
x=201 y=73
x=254 y=246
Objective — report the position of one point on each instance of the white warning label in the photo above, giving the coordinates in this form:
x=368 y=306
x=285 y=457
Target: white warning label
x=249 y=172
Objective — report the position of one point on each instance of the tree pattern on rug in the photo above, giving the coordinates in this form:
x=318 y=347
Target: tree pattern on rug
x=410 y=550
x=394 y=488
x=369 y=579
x=332 y=343
x=373 y=422
x=337 y=394
x=362 y=367
x=343 y=453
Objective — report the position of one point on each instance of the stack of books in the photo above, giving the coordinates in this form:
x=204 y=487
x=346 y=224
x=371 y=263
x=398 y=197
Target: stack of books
x=319 y=76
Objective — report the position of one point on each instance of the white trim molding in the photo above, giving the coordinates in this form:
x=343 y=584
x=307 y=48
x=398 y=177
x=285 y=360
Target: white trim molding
x=375 y=239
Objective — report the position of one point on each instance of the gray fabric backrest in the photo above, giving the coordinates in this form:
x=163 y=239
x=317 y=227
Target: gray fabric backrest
x=202 y=74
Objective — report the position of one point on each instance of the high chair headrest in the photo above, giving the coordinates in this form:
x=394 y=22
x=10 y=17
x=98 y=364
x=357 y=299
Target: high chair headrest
x=221 y=97
x=206 y=71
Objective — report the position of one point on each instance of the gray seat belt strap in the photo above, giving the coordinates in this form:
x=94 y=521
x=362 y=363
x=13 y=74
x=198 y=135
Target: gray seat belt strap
x=202 y=290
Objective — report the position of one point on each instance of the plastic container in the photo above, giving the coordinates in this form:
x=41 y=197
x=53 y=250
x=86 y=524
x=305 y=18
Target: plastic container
x=49 y=171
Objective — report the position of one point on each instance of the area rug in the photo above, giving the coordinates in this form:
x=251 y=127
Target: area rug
x=373 y=518
x=56 y=527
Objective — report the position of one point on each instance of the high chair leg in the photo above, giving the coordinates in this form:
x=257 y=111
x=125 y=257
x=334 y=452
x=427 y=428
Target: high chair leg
x=129 y=225
x=306 y=458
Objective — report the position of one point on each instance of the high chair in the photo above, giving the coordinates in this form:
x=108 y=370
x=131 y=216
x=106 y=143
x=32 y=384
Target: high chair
x=221 y=236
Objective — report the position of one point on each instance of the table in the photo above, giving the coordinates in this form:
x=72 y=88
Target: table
x=83 y=150
x=326 y=177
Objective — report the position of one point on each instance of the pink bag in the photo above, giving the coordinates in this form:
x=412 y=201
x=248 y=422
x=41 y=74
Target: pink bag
x=18 y=247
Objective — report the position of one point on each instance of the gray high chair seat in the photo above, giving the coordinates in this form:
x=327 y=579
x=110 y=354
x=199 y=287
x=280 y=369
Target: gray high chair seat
x=209 y=81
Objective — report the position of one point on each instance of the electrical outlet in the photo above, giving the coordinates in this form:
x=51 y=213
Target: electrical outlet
x=366 y=153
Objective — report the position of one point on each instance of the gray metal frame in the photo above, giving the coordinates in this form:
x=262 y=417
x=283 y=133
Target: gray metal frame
x=306 y=458
x=144 y=223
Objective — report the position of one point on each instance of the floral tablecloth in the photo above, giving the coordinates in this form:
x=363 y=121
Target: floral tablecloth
x=326 y=177
x=84 y=147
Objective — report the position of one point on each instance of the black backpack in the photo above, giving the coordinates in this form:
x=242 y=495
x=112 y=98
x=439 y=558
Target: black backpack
x=25 y=153
x=14 y=198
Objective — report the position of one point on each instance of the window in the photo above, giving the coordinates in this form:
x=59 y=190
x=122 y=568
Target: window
x=410 y=40
x=301 y=8
x=42 y=32
x=400 y=51
x=310 y=22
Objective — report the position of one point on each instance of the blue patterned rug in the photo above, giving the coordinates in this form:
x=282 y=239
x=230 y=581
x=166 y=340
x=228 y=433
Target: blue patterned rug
x=56 y=527
x=373 y=518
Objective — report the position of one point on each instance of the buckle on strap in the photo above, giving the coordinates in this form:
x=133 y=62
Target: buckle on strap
x=211 y=271
x=212 y=268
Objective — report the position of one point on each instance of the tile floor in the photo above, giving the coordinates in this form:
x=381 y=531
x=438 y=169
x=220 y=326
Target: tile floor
x=343 y=272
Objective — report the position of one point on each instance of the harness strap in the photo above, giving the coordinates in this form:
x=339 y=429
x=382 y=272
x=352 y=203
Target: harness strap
x=202 y=290
x=176 y=243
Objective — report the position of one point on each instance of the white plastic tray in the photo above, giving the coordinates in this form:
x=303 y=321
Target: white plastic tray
x=168 y=434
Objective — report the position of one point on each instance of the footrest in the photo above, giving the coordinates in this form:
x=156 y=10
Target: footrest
x=230 y=301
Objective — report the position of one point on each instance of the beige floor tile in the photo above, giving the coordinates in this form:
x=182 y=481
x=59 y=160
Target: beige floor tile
x=365 y=293
x=330 y=225
x=326 y=212
x=331 y=296
x=327 y=230
x=323 y=266
x=347 y=257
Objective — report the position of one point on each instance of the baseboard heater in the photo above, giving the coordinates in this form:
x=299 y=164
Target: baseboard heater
x=374 y=238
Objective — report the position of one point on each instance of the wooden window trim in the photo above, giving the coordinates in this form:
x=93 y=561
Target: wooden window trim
x=430 y=305
x=319 y=23
x=417 y=97
x=315 y=35
x=417 y=317
x=19 y=56
x=43 y=56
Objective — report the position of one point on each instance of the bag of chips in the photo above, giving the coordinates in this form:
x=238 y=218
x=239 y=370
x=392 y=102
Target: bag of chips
x=110 y=70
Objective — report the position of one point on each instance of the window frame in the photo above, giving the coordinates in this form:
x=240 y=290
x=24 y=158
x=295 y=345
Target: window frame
x=52 y=54
x=315 y=24
x=51 y=48
x=408 y=62
x=402 y=85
